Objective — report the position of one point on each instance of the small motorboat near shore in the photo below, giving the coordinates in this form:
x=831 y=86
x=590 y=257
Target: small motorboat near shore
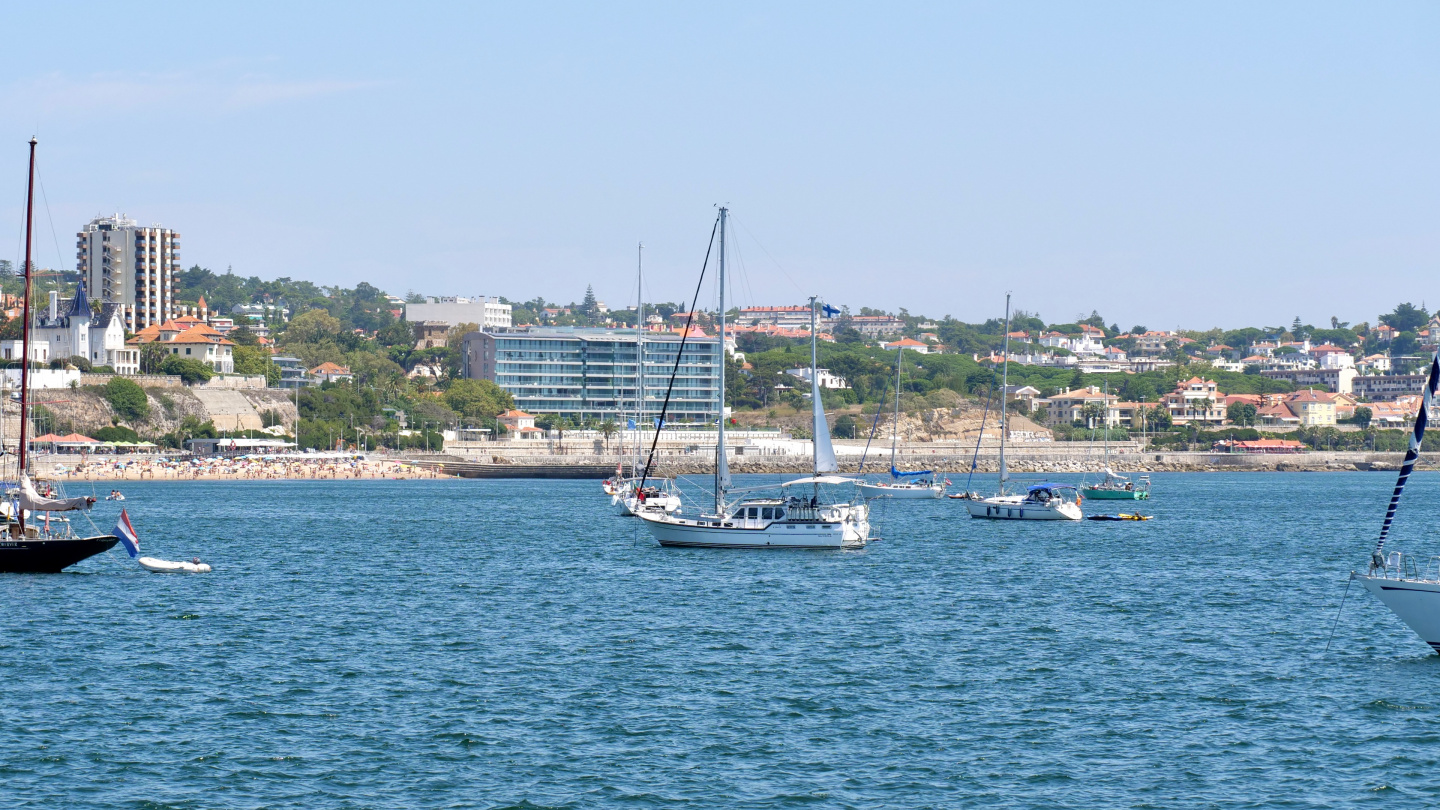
x=158 y=566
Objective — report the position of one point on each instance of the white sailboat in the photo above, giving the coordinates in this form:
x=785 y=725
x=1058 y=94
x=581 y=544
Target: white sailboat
x=902 y=485
x=1114 y=486
x=1044 y=501
x=630 y=496
x=1408 y=584
x=784 y=521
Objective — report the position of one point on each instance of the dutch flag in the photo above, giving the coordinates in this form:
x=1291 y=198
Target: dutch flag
x=127 y=535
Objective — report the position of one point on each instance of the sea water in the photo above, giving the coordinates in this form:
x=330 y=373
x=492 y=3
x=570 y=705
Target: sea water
x=514 y=644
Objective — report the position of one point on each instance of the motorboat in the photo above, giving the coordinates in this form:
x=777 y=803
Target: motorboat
x=1040 y=502
x=1116 y=487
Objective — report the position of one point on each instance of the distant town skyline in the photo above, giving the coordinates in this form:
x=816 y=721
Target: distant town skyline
x=1226 y=166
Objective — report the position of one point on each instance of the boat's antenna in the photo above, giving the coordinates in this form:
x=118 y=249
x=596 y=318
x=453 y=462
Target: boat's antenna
x=689 y=319
x=25 y=333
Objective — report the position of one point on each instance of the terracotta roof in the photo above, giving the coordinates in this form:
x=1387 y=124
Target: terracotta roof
x=515 y=414
x=906 y=342
x=196 y=336
x=329 y=368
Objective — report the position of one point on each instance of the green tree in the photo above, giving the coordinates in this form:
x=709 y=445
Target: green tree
x=1406 y=318
x=127 y=399
x=1362 y=417
x=187 y=369
x=116 y=433
x=481 y=399
x=844 y=427
x=1159 y=418
x=312 y=327
x=1404 y=343
x=1241 y=413
x=152 y=357
x=254 y=361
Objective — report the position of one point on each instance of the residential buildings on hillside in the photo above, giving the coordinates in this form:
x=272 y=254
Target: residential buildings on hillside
x=783 y=317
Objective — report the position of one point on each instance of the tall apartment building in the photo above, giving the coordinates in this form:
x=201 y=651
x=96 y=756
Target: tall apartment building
x=131 y=266
x=591 y=373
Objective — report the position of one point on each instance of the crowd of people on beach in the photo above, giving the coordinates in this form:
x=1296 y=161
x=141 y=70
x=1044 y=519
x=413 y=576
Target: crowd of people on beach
x=279 y=468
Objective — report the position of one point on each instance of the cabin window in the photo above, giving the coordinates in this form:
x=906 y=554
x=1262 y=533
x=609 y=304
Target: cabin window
x=768 y=513
x=754 y=512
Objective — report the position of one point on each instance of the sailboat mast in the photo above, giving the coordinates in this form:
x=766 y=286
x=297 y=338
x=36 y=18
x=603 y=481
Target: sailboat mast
x=895 y=428
x=1004 y=392
x=1105 y=403
x=639 y=352
x=722 y=472
x=25 y=329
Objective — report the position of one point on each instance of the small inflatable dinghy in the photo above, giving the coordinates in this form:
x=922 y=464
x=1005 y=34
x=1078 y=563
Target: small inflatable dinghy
x=1120 y=517
x=168 y=567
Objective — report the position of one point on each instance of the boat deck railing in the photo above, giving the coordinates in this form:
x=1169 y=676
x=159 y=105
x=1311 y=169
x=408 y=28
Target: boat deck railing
x=1404 y=567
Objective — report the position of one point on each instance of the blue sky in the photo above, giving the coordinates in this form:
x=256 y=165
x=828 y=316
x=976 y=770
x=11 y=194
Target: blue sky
x=1169 y=165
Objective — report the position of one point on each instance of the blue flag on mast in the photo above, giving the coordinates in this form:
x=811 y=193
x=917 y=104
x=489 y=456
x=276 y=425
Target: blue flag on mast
x=829 y=311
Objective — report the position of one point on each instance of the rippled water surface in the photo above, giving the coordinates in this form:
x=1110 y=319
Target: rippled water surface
x=510 y=643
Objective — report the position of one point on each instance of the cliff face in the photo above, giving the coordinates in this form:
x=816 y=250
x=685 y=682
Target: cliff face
x=86 y=410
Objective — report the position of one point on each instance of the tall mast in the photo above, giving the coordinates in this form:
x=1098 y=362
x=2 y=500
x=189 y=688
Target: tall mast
x=639 y=340
x=815 y=389
x=25 y=332
x=1004 y=392
x=1105 y=403
x=722 y=466
x=895 y=429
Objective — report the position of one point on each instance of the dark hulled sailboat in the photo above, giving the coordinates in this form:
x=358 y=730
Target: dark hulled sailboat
x=40 y=548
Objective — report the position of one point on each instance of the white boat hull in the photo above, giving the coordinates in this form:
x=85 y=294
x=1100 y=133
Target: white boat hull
x=852 y=530
x=1414 y=602
x=1016 y=508
x=159 y=566
x=901 y=491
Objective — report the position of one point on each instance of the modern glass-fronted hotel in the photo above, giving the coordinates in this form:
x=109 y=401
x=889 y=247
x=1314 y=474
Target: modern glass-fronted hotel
x=590 y=373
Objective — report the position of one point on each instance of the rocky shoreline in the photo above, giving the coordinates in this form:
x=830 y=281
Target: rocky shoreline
x=952 y=465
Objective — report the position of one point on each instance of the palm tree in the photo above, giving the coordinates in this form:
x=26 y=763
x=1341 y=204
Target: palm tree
x=608 y=428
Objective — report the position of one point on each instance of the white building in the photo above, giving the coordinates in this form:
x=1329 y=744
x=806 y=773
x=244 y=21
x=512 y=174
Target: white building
x=827 y=380
x=10 y=350
x=75 y=330
x=489 y=313
x=131 y=266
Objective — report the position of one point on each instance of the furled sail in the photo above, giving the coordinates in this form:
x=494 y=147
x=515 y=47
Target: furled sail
x=824 y=452
x=722 y=466
x=33 y=501
x=1411 y=453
